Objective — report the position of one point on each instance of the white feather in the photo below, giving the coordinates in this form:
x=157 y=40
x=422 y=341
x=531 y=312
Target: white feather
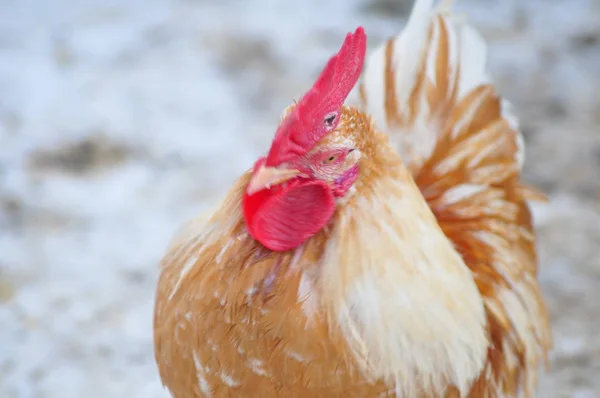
x=412 y=51
x=406 y=302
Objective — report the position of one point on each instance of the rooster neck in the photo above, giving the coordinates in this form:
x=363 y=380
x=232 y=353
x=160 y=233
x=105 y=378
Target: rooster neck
x=385 y=262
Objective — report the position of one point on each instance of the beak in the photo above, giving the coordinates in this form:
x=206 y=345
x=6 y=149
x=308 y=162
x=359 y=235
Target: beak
x=266 y=177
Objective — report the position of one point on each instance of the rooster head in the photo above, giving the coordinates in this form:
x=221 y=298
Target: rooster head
x=291 y=194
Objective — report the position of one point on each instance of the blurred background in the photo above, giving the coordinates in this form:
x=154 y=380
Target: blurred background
x=120 y=119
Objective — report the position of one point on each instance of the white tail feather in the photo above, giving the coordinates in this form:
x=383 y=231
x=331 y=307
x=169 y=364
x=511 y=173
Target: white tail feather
x=394 y=70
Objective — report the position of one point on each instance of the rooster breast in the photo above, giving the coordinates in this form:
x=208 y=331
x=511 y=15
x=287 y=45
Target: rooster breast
x=363 y=309
x=234 y=319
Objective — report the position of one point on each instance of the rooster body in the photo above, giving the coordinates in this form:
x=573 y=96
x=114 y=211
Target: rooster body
x=350 y=262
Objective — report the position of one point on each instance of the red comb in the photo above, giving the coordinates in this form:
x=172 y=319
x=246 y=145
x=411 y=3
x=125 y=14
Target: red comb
x=305 y=125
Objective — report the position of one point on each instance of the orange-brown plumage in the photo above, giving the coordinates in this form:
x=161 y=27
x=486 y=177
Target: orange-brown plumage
x=422 y=284
x=239 y=310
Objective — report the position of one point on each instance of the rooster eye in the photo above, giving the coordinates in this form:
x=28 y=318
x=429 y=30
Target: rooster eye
x=329 y=159
x=329 y=119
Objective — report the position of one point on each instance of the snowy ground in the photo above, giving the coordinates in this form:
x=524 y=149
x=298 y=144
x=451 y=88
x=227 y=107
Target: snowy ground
x=121 y=119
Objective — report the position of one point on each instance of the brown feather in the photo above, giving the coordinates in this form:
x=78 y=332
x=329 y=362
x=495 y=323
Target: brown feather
x=232 y=322
x=234 y=319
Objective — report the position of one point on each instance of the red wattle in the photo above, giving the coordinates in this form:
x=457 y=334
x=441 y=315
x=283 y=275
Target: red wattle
x=285 y=216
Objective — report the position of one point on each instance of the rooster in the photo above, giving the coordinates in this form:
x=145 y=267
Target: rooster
x=379 y=250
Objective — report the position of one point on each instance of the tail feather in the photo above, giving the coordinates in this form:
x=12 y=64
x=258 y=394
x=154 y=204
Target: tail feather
x=410 y=83
x=429 y=90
